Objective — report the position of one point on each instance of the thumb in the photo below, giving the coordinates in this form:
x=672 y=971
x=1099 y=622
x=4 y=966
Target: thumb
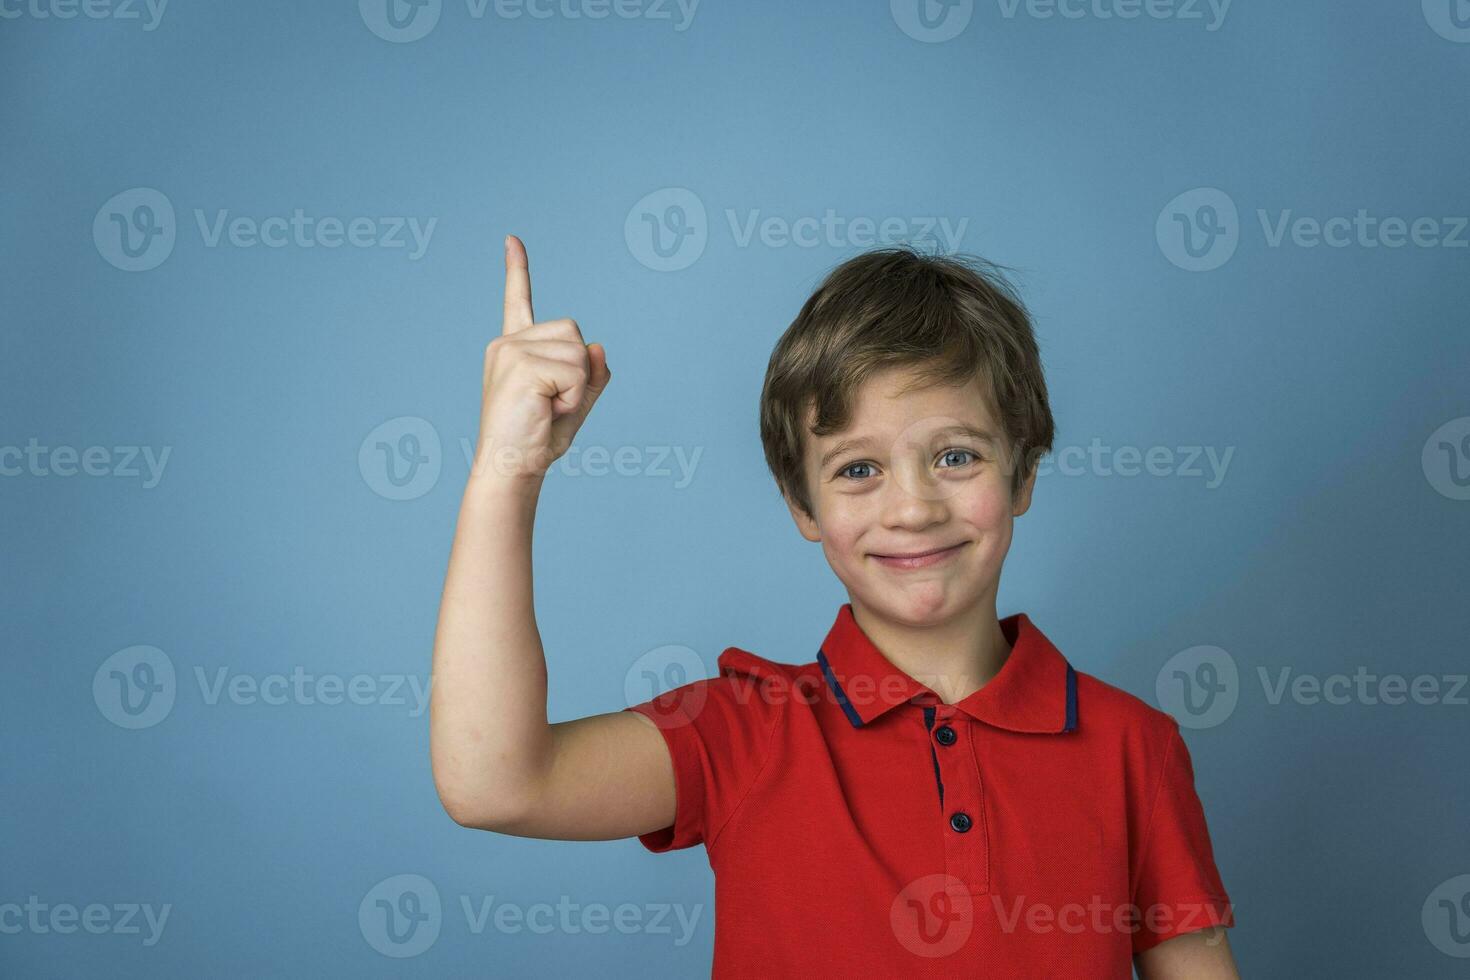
x=598 y=373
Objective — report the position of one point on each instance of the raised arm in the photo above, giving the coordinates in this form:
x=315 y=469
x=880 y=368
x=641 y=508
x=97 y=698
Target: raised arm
x=498 y=765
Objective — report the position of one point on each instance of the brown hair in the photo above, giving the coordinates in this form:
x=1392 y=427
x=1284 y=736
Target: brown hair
x=954 y=318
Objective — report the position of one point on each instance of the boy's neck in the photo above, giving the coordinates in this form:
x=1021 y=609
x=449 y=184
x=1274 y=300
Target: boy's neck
x=954 y=658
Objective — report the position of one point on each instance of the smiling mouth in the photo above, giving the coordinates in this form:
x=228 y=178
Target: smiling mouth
x=918 y=558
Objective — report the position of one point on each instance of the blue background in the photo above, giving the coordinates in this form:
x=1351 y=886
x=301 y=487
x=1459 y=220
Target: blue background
x=1329 y=545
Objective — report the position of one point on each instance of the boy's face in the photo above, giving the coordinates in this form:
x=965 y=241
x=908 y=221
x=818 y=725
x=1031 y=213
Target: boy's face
x=904 y=478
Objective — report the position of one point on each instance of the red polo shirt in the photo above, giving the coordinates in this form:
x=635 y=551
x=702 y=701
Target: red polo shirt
x=1045 y=826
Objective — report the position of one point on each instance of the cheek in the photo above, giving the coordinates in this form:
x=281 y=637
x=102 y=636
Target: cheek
x=988 y=511
x=841 y=532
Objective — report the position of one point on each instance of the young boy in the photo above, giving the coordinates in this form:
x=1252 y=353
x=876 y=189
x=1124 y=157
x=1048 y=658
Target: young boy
x=939 y=792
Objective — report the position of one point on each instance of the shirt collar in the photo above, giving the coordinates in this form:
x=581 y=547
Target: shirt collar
x=1035 y=691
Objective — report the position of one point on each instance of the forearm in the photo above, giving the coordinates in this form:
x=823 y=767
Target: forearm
x=488 y=731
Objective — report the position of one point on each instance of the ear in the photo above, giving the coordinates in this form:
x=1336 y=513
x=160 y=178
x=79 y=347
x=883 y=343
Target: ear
x=804 y=522
x=1021 y=501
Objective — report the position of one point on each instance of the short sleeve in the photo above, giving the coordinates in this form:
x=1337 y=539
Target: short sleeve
x=1177 y=888
x=719 y=733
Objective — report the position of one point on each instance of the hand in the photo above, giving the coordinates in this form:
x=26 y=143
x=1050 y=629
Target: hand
x=540 y=382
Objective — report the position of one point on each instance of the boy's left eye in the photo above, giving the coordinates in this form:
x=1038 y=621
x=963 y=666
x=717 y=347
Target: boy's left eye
x=961 y=452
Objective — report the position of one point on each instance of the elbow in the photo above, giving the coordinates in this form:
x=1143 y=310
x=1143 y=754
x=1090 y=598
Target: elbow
x=481 y=810
x=480 y=792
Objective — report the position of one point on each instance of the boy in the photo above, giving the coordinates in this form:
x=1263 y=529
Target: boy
x=939 y=793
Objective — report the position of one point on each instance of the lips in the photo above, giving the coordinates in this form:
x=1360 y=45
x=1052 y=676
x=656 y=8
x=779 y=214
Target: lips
x=918 y=554
x=923 y=559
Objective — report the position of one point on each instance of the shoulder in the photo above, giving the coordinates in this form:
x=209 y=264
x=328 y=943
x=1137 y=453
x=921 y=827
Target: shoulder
x=761 y=686
x=736 y=663
x=745 y=699
x=1114 y=714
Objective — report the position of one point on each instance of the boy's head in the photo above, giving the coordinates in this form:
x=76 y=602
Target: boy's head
x=863 y=415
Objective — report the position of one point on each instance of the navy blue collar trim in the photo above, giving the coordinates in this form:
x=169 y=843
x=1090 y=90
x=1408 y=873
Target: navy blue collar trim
x=847 y=708
x=1071 y=700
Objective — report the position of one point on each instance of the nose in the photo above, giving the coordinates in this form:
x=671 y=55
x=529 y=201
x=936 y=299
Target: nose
x=914 y=500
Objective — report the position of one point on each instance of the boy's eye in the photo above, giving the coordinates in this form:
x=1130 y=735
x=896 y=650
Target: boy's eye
x=960 y=452
x=846 y=471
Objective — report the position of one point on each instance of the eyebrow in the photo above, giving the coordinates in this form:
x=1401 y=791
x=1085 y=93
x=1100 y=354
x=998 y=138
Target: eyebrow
x=861 y=442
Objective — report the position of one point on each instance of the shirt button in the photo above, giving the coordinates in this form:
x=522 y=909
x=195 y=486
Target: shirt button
x=960 y=822
x=945 y=735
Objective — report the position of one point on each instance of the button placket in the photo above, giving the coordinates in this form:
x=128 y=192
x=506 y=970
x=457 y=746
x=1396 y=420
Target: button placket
x=965 y=844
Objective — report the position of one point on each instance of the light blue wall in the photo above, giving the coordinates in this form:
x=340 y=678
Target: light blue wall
x=1332 y=539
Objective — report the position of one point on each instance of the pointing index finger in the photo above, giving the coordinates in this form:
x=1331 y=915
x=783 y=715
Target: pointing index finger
x=517 y=287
